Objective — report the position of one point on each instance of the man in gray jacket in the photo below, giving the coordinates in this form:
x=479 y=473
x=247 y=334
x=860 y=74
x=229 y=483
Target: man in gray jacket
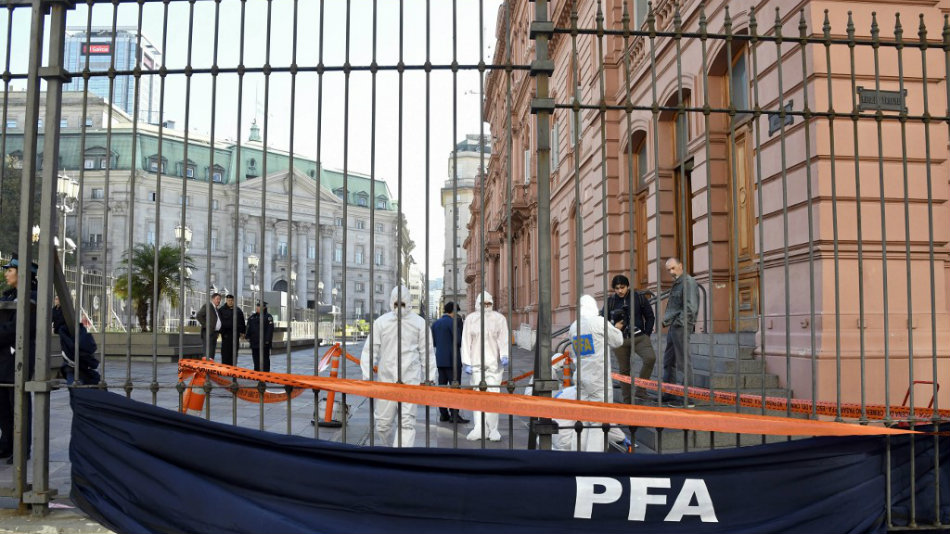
x=680 y=316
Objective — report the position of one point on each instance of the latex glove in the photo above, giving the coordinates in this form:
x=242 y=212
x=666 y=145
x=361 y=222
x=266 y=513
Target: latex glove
x=504 y=361
x=467 y=369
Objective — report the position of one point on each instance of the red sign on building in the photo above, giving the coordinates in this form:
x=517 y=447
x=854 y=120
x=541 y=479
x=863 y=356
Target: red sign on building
x=97 y=49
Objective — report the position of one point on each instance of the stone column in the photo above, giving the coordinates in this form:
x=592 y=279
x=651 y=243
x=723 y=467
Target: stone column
x=242 y=257
x=303 y=230
x=268 y=249
x=327 y=233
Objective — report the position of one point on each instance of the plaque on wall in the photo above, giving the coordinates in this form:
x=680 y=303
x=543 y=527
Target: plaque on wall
x=869 y=99
x=775 y=119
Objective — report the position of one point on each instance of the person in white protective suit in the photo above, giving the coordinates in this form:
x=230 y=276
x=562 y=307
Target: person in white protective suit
x=392 y=331
x=592 y=374
x=494 y=330
x=592 y=439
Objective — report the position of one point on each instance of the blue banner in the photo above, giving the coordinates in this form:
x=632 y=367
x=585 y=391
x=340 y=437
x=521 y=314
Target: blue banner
x=138 y=468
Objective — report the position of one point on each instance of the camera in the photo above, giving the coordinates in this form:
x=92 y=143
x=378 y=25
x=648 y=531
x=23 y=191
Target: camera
x=622 y=314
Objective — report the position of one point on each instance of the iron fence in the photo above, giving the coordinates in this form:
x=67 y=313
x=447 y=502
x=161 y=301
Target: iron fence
x=793 y=163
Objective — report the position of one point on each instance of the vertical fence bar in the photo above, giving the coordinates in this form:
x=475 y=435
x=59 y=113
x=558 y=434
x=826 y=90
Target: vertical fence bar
x=268 y=262
x=578 y=213
x=425 y=301
x=55 y=77
x=26 y=323
x=545 y=68
x=879 y=119
x=157 y=241
x=346 y=196
x=128 y=385
x=318 y=252
x=734 y=192
x=509 y=140
x=291 y=225
x=686 y=196
x=657 y=191
x=106 y=242
x=807 y=124
x=780 y=60
x=703 y=39
x=855 y=117
x=922 y=34
x=237 y=167
x=605 y=243
x=902 y=115
x=826 y=32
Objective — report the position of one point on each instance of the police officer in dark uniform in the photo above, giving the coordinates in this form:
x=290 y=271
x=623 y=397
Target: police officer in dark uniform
x=261 y=355
x=8 y=323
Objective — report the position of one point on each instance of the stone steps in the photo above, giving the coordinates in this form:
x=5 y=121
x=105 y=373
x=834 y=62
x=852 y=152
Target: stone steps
x=719 y=363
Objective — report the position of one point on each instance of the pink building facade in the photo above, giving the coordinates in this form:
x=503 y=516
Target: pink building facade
x=824 y=230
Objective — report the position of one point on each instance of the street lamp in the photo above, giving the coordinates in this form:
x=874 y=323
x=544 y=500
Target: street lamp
x=183 y=235
x=320 y=290
x=293 y=294
x=67 y=192
x=333 y=311
x=252 y=262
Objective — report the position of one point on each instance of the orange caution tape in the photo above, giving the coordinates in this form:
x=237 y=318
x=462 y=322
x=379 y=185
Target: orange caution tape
x=564 y=356
x=545 y=407
x=782 y=404
x=252 y=394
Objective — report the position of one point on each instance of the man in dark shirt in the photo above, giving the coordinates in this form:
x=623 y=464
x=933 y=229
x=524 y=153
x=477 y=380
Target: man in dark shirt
x=447 y=338
x=229 y=328
x=623 y=308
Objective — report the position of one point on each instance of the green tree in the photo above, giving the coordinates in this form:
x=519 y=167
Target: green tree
x=10 y=208
x=141 y=262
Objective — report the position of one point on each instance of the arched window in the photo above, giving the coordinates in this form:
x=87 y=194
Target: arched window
x=381 y=202
x=217 y=174
x=187 y=169
x=362 y=199
x=153 y=164
x=98 y=157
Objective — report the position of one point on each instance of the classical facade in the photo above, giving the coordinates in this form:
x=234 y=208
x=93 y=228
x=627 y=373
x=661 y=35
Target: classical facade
x=465 y=167
x=761 y=207
x=320 y=236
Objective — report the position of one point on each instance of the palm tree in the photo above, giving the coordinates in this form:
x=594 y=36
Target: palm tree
x=141 y=261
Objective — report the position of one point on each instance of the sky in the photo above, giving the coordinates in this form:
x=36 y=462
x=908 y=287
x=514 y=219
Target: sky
x=352 y=104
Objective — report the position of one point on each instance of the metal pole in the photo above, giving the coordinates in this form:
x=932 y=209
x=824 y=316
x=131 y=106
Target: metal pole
x=542 y=105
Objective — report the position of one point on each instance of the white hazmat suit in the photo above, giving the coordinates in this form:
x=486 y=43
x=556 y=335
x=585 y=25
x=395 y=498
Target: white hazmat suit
x=592 y=439
x=400 y=328
x=495 y=333
x=590 y=355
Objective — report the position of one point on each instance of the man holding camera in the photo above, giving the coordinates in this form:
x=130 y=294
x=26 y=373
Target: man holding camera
x=626 y=307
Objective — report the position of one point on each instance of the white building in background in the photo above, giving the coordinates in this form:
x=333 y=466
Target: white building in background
x=435 y=298
x=465 y=166
x=417 y=293
x=139 y=184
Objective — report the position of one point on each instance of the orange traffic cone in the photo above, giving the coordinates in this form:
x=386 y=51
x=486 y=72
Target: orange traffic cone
x=193 y=400
x=328 y=420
